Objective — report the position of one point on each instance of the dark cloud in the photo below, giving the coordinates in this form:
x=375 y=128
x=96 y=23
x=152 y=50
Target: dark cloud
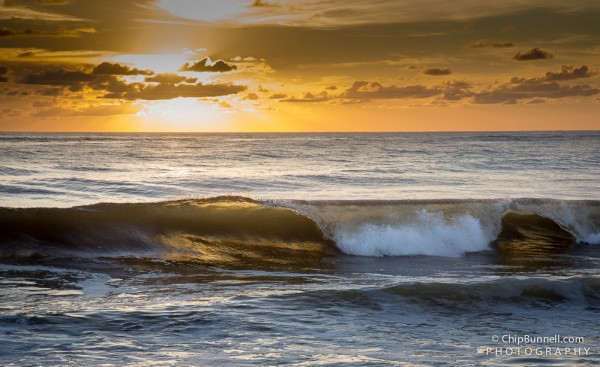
x=204 y=66
x=3 y=72
x=113 y=84
x=118 y=69
x=374 y=90
x=331 y=87
x=278 y=96
x=32 y=32
x=511 y=93
x=456 y=90
x=10 y=3
x=106 y=79
x=492 y=44
x=56 y=2
x=519 y=89
x=43 y=104
x=26 y=54
x=251 y=97
x=567 y=72
x=309 y=97
x=61 y=77
x=15 y=92
x=437 y=71
x=50 y=92
x=533 y=54
x=264 y=4
x=170 y=78
x=170 y=91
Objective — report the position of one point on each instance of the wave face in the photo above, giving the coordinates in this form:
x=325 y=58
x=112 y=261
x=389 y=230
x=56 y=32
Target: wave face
x=224 y=231
x=238 y=231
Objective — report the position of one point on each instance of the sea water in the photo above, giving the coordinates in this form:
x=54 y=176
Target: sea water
x=399 y=249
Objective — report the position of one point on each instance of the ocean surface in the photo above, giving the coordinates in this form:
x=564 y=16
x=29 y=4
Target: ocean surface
x=398 y=249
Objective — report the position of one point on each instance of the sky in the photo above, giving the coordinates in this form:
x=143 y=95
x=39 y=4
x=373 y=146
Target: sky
x=302 y=65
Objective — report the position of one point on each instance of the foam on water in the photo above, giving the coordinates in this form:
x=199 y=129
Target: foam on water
x=429 y=235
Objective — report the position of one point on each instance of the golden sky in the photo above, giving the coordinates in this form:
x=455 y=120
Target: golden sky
x=302 y=65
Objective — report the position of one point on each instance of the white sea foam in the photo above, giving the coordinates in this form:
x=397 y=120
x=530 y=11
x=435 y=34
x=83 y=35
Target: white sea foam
x=430 y=234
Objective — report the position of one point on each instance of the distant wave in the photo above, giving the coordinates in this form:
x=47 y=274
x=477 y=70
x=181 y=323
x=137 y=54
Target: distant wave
x=234 y=230
x=473 y=294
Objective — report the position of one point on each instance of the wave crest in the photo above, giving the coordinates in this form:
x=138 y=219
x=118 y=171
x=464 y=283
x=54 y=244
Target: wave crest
x=237 y=229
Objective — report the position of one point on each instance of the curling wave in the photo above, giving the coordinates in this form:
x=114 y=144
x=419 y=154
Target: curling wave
x=237 y=229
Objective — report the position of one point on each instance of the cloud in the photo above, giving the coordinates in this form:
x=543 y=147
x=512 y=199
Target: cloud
x=108 y=68
x=533 y=54
x=106 y=80
x=98 y=110
x=224 y=104
x=113 y=84
x=12 y=10
x=278 y=96
x=437 y=71
x=374 y=90
x=456 y=90
x=170 y=91
x=18 y=93
x=73 y=79
x=339 y=13
x=43 y=103
x=492 y=44
x=170 y=78
x=3 y=72
x=264 y=4
x=331 y=87
x=310 y=97
x=205 y=66
x=56 y=2
x=511 y=93
x=50 y=92
x=568 y=72
x=32 y=32
x=251 y=97
x=26 y=54
x=518 y=89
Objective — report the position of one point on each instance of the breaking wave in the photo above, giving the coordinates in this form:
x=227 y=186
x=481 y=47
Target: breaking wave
x=236 y=230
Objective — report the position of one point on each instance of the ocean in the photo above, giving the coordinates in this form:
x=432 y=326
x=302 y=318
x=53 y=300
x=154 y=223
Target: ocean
x=332 y=249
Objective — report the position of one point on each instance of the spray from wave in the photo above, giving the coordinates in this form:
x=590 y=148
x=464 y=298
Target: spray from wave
x=429 y=235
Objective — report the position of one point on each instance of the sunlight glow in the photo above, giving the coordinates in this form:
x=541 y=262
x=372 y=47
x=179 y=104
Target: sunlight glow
x=182 y=114
x=159 y=63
